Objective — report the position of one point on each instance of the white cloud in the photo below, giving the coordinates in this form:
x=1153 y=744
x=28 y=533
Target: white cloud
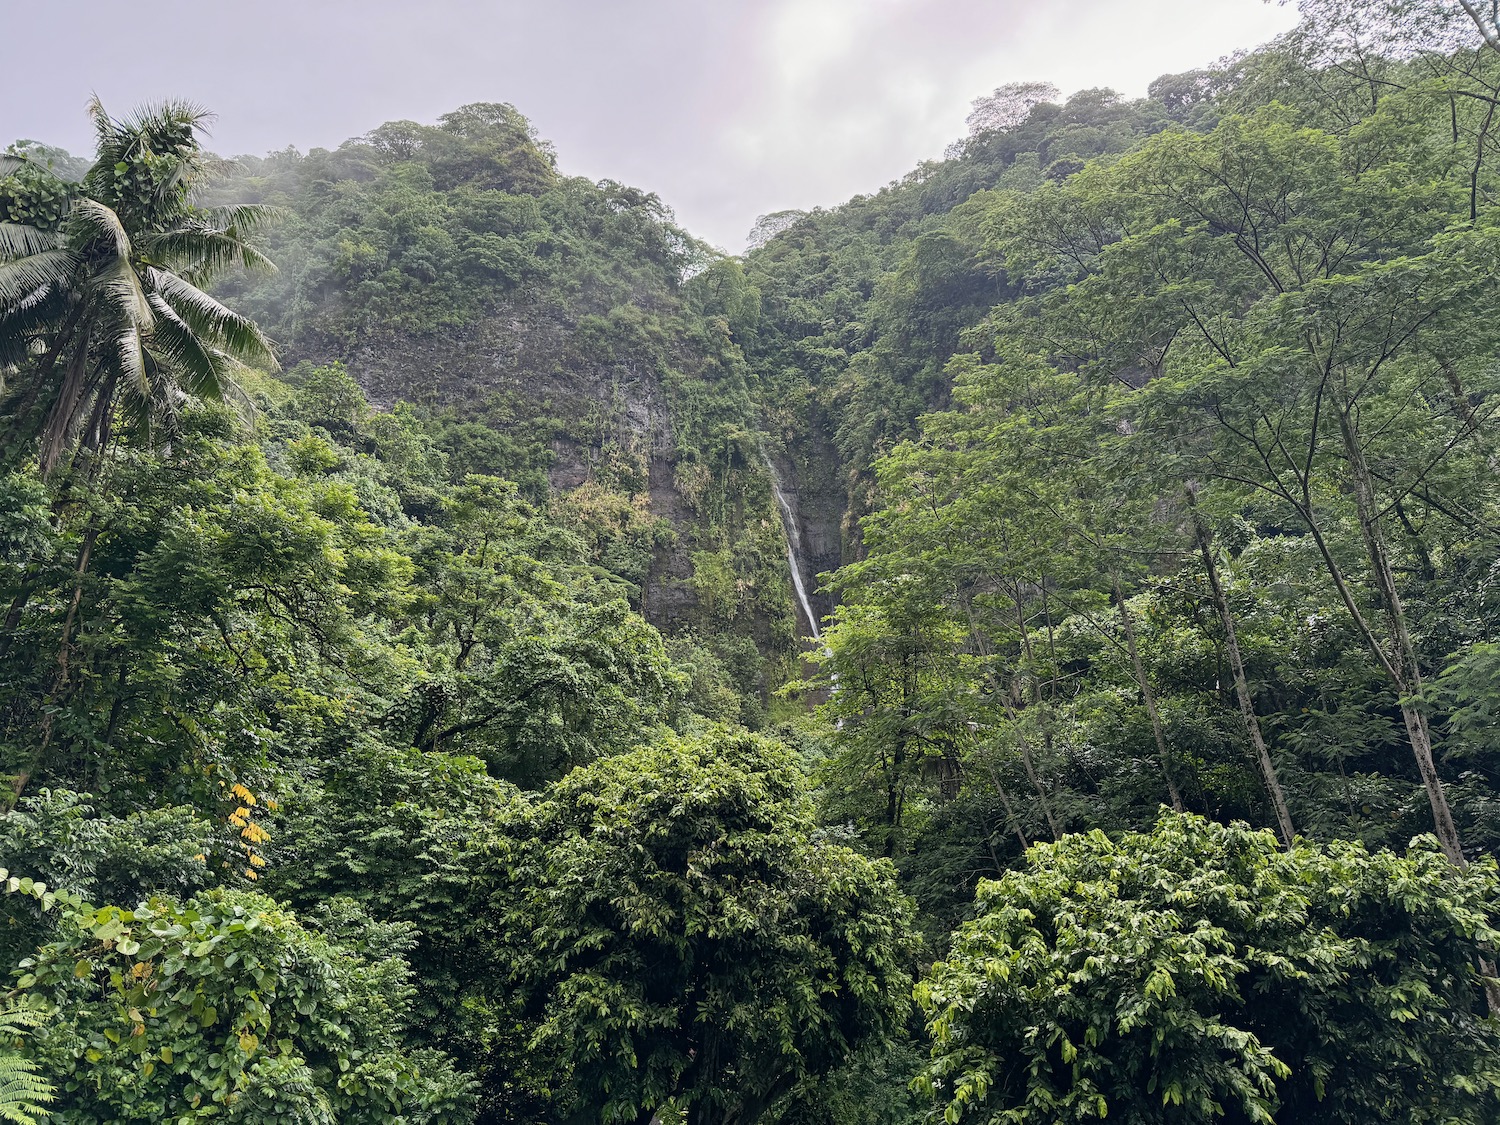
x=727 y=108
x=853 y=93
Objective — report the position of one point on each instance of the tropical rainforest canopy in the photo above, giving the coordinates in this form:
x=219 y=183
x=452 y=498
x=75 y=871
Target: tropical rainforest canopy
x=1022 y=646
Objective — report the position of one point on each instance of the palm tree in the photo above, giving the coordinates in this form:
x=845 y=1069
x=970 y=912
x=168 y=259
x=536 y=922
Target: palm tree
x=103 y=313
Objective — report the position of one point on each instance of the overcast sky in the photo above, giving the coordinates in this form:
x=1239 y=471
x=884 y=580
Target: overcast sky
x=727 y=108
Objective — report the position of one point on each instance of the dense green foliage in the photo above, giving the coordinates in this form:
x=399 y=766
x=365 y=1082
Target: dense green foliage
x=24 y=1093
x=322 y=657
x=1201 y=972
x=226 y=1006
x=551 y=330
x=1209 y=516
x=376 y=738
x=686 y=940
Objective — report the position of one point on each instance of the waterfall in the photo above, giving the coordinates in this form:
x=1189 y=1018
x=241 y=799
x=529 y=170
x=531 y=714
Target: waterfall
x=793 y=548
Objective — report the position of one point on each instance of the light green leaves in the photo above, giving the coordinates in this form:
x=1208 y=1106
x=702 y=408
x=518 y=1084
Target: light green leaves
x=1201 y=966
x=227 y=997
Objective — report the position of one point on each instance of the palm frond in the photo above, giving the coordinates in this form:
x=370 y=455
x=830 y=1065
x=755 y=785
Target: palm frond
x=131 y=352
x=127 y=296
x=18 y=240
x=204 y=254
x=213 y=322
x=20 y=280
x=106 y=131
x=187 y=172
x=143 y=402
x=78 y=384
x=206 y=168
x=103 y=122
x=164 y=118
x=242 y=219
x=166 y=128
x=117 y=309
x=26 y=326
x=96 y=221
x=201 y=370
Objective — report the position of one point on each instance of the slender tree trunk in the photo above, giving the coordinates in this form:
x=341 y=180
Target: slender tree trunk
x=95 y=434
x=1147 y=697
x=1484 y=22
x=117 y=705
x=893 y=806
x=1051 y=639
x=60 y=418
x=60 y=674
x=1030 y=767
x=1404 y=669
x=1010 y=809
x=989 y=846
x=1484 y=132
x=1402 y=663
x=91 y=533
x=1241 y=681
x=42 y=373
x=1036 y=784
x=1036 y=693
x=12 y=620
x=1427 y=569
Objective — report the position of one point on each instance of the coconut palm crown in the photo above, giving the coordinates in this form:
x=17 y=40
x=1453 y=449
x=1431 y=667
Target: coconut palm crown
x=103 y=311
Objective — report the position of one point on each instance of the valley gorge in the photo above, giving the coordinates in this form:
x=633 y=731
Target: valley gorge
x=1019 y=645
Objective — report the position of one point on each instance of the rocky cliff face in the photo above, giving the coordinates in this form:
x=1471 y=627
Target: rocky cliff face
x=810 y=481
x=664 y=433
x=521 y=369
x=561 y=332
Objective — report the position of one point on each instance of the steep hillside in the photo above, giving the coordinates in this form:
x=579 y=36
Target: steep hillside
x=557 y=332
x=409 y=747
x=864 y=304
x=569 y=336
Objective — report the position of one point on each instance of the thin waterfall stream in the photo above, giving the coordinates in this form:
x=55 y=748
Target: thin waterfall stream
x=793 y=548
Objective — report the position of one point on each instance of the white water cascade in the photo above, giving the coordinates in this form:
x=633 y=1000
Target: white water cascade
x=793 y=548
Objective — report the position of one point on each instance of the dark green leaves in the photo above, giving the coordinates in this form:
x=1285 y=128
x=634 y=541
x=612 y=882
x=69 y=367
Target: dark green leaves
x=678 y=936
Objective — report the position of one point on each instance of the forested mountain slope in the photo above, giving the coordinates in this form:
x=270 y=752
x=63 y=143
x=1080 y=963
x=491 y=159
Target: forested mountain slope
x=863 y=304
x=563 y=334
x=1076 y=556
x=390 y=641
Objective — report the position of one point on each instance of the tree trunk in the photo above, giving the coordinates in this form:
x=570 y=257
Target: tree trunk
x=60 y=418
x=1010 y=811
x=1147 y=697
x=1241 y=681
x=1036 y=698
x=1036 y=784
x=12 y=622
x=1402 y=664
